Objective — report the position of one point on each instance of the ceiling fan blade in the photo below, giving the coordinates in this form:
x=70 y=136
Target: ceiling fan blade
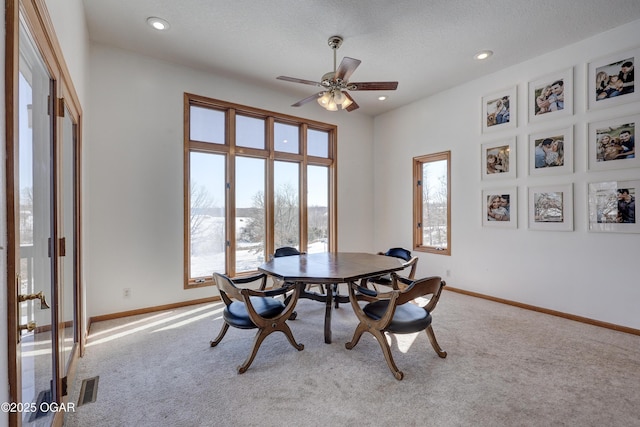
x=373 y=86
x=346 y=68
x=354 y=105
x=295 y=80
x=308 y=99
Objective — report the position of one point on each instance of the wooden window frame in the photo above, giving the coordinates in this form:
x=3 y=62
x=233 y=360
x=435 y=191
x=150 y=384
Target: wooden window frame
x=418 y=243
x=231 y=151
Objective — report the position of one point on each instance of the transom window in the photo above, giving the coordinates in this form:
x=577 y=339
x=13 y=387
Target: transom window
x=254 y=181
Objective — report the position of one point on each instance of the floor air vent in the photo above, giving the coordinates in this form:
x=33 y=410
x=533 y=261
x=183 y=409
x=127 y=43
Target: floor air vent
x=88 y=391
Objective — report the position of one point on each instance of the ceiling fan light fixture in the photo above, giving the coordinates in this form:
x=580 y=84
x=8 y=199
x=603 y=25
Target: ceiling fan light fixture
x=339 y=97
x=158 y=23
x=333 y=100
x=324 y=99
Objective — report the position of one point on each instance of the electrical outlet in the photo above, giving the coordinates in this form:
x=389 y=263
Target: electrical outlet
x=448 y=272
x=126 y=292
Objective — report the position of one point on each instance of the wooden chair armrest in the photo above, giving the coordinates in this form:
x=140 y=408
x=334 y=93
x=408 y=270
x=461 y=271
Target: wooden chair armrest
x=435 y=298
x=428 y=286
x=286 y=287
x=366 y=291
x=243 y=280
x=413 y=263
x=371 y=294
x=396 y=278
x=290 y=303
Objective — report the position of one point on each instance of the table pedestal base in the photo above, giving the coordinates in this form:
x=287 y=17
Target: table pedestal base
x=330 y=296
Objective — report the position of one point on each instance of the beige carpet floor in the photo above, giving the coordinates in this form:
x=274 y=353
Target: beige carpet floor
x=505 y=367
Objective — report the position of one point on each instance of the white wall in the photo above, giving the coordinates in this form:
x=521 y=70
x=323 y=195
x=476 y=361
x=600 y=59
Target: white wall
x=134 y=175
x=582 y=273
x=72 y=34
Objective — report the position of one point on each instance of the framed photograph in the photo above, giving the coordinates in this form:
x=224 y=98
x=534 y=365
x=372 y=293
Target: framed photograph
x=500 y=208
x=551 y=207
x=612 y=143
x=610 y=80
x=551 y=152
x=612 y=206
x=499 y=159
x=499 y=110
x=551 y=96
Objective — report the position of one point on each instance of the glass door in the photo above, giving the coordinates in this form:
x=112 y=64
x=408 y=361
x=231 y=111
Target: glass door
x=42 y=150
x=67 y=297
x=35 y=199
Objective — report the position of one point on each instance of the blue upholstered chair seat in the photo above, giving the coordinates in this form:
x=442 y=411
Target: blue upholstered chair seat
x=408 y=318
x=236 y=313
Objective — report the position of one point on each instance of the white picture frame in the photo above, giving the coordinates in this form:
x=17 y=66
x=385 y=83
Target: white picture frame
x=499 y=207
x=551 y=152
x=498 y=159
x=551 y=96
x=609 y=141
x=500 y=110
x=551 y=207
x=604 y=93
x=605 y=206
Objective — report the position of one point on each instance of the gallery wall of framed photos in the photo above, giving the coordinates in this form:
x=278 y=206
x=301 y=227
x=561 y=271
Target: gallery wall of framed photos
x=608 y=120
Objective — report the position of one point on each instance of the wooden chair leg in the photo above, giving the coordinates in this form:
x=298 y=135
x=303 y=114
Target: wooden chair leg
x=356 y=336
x=260 y=336
x=386 y=350
x=284 y=328
x=223 y=331
x=434 y=342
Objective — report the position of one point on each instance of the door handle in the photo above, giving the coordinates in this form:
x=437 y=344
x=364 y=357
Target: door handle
x=39 y=295
x=30 y=327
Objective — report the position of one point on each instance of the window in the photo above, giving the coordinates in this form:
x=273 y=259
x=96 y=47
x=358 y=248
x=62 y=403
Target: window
x=432 y=203
x=254 y=181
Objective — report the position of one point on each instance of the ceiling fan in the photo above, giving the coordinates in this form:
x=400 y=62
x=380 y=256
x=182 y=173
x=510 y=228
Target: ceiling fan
x=335 y=84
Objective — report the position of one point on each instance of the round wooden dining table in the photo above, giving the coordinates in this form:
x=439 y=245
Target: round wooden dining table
x=329 y=269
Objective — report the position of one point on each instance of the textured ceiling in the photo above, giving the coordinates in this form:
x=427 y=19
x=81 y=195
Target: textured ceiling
x=425 y=45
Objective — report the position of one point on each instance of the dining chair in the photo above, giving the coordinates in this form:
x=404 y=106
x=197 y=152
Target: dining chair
x=290 y=251
x=410 y=262
x=286 y=251
x=248 y=308
x=396 y=312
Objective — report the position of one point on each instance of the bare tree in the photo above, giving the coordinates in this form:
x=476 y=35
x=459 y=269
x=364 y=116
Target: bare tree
x=317 y=223
x=201 y=204
x=286 y=218
x=434 y=202
x=26 y=216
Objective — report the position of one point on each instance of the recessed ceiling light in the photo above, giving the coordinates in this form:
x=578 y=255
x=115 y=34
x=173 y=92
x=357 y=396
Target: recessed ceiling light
x=483 y=55
x=158 y=23
x=382 y=98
